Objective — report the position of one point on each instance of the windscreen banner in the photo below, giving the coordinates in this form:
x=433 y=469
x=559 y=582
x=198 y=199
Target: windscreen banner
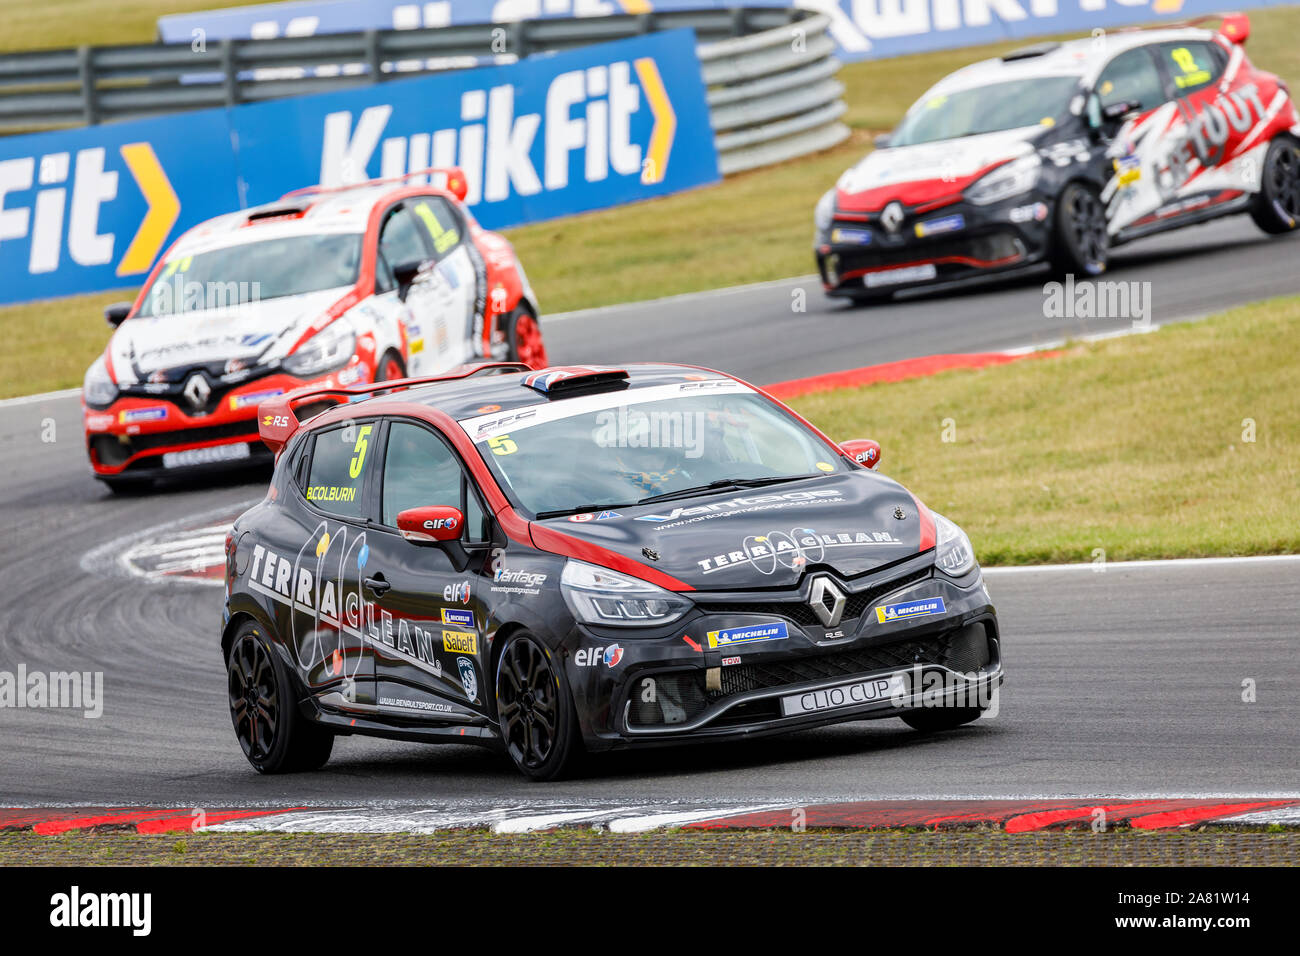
x=91 y=209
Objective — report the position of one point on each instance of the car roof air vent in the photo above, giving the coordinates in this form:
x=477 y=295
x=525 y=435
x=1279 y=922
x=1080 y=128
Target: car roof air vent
x=569 y=379
x=1028 y=52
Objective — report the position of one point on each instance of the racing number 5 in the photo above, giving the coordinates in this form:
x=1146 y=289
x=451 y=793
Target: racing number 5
x=502 y=445
x=359 y=450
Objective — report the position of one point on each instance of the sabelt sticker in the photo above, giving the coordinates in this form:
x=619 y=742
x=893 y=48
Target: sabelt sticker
x=459 y=642
x=909 y=609
x=750 y=634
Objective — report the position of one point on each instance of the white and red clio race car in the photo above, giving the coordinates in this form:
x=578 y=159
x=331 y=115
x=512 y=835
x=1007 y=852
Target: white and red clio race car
x=334 y=287
x=1057 y=153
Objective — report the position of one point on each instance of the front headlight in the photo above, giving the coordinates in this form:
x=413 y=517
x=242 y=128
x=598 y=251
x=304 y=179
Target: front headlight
x=1009 y=179
x=98 y=390
x=953 y=555
x=825 y=211
x=327 y=349
x=597 y=595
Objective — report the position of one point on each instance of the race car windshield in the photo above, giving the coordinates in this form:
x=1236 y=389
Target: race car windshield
x=606 y=451
x=986 y=109
x=252 y=272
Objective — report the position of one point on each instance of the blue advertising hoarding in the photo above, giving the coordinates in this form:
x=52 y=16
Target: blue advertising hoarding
x=91 y=209
x=863 y=29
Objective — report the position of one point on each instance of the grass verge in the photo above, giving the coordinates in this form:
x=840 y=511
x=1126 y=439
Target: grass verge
x=694 y=848
x=753 y=227
x=1138 y=446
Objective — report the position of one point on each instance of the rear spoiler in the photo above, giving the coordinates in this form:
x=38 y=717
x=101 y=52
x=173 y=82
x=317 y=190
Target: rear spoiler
x=277 y=420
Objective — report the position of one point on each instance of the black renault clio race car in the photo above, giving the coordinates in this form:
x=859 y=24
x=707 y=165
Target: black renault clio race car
x=585 y=558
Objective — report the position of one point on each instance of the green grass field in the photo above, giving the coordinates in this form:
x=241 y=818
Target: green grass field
x=1137 y=446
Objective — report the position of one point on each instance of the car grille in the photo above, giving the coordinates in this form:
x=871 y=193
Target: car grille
x=680 y=696
x=991 y=247
x=965 y=650
x=112 y=450
x=800 y=612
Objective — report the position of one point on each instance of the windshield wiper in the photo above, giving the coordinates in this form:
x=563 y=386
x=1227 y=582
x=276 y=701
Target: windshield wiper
x=723 y=484
x=581 y=509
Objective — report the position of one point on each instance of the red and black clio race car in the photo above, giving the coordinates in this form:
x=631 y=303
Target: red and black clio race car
x=1058 y=152
x=330 y=287
x=429 y=565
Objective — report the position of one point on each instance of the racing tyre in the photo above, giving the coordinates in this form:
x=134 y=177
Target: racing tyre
x=932 y=719
x=1080 y=243
x=1276 y=208
x=524 y=337
x=275 y=736
x=539 y=725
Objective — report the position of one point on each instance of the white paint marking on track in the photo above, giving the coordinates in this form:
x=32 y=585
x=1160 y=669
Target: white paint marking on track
x=1285 y=816
x=40 y=397
x=658 y=821
x=1101 y=568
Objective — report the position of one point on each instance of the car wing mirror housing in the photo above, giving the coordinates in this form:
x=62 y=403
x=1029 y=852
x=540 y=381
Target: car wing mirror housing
x=436 y=524
x=116 y=313
x=864 y=451
x=405 y=273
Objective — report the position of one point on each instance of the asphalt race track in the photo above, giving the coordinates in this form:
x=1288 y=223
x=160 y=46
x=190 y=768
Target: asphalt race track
x=1127 y=681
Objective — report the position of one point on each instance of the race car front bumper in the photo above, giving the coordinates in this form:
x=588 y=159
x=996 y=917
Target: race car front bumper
x=145 y=436
x=859 y=257
x=637 y=692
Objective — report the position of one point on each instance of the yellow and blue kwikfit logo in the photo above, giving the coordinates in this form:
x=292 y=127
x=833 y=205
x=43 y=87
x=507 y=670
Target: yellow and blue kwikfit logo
x=906 y=610
x=547 y=137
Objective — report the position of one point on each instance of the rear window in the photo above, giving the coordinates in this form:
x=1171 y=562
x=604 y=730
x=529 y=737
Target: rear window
x=1194 y=65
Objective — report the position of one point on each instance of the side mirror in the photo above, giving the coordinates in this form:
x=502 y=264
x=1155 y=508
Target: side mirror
x=881 y=140
x=1116 y=112
x=863 y=450
x=405 y=274
x=432 y=525
x=116 y=313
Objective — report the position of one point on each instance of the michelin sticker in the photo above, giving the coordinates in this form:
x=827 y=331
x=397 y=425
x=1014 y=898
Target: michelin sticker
x=750 y=634
x=888 y=613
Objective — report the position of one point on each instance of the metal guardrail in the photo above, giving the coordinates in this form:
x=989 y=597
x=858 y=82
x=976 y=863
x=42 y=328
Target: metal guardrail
x=769 y=72
x=773 y=95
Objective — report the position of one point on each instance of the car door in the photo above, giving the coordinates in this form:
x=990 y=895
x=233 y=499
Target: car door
x=404 y=244
x=458 y=328
x=332 y=610
x=1134 y=77
x=1216 y=121
x=431 y=658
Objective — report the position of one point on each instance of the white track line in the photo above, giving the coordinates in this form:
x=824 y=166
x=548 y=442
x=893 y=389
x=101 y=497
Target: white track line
x=1155 y=563
x=41 y=397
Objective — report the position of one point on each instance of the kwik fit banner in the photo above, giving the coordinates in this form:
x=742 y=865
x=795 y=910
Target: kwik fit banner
x=863 y=29
x=91 y=209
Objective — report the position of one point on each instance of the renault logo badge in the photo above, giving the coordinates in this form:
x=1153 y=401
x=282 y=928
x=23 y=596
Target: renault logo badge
x=827 y=601
x=197 y=390
x=892 y=217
